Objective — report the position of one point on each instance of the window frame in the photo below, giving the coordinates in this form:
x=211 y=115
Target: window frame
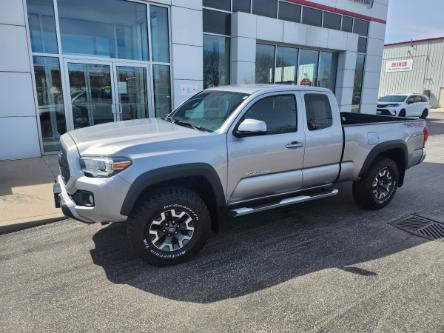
x=260 y=98
x=314 y=93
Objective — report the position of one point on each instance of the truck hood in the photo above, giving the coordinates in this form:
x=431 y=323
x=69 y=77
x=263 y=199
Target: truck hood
x=110 y=138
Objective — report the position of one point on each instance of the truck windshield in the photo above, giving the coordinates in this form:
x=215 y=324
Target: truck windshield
x=393 y=98
x=207 y=110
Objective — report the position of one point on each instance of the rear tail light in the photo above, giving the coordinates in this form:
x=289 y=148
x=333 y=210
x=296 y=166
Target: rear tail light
x=426 y=134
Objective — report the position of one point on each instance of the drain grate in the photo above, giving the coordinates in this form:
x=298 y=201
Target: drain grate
x=421 y=226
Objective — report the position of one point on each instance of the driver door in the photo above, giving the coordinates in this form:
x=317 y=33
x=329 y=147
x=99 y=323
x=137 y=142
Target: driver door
x=269 y=163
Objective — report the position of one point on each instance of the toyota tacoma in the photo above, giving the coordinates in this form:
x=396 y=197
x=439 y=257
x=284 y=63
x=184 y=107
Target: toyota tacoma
x=234 y=150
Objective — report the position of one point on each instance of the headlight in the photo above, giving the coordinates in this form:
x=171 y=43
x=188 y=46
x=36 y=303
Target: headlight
x=103 y=166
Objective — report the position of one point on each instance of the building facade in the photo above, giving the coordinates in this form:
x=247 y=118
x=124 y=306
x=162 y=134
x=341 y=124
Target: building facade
x=414 y=67
x=69 y=64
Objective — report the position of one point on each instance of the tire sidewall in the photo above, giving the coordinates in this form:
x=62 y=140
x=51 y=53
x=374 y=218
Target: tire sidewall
x=378 y=167
x=151 y=249
x=152 y=207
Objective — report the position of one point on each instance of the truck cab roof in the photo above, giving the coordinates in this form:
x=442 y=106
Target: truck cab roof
x=251 y=89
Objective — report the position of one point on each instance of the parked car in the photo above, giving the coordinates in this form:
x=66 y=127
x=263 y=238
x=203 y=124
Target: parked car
x=404 y=105
x=230 y=150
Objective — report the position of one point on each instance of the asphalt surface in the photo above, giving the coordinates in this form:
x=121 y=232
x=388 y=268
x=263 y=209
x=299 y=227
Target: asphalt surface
x=326 y=266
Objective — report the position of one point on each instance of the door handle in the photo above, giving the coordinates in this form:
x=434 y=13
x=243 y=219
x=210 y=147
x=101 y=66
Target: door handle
x=294 y=145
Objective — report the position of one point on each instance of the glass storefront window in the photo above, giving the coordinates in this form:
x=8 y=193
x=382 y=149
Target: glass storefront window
x=328 y=67
x=216 y=69
x=162 y=90
x=361 y=27
x=265 y=8
x=332 y=21
x=132 y=92
x=312 y=16
x=42 y=26
x=308 y=67
x=91 y=94
x=160 y=39
x=286 y=65
x=264 y=63
x=242 y=6
x=218 y=4
x=347 y=24
x=359 y=79
x=105 y=28
x=50 y=101
x=289 y=12
x=216 y=22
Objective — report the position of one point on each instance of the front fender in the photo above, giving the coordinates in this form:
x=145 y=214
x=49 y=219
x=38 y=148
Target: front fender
x=171 y=173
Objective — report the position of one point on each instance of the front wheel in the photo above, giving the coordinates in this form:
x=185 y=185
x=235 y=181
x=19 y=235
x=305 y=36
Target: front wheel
x=378 y=187
x=402 y=113
x=169 y=226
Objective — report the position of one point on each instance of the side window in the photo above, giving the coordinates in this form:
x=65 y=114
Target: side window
x=411 y=100
x=319 y=114
x=278 y=112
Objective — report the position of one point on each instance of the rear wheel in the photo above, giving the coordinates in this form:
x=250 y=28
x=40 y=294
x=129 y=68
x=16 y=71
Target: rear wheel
x=378 y=187
x=402 y=113
x=424 y=114
x=169 y=226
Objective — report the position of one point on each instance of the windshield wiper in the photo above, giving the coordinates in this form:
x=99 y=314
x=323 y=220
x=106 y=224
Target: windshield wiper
x=169 y=119
x=190 y=124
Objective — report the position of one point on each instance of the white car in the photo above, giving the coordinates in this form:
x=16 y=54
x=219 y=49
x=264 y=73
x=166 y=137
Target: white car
x=404 y=105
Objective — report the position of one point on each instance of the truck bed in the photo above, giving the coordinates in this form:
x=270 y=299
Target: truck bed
x=350 y=118
x=363 y=132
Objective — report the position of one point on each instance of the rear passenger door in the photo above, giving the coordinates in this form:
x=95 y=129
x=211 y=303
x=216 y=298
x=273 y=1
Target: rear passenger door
x=412 y=106
x=270 y=163
x=323 y=139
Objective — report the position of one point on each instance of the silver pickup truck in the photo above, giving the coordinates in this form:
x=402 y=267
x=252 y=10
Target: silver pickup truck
x=232 y=150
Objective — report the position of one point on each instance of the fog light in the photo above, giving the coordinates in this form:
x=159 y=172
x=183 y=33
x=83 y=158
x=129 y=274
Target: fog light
x=83 y=198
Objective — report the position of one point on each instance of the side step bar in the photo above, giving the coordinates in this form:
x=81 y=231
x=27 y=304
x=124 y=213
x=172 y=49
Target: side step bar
x=284 y=202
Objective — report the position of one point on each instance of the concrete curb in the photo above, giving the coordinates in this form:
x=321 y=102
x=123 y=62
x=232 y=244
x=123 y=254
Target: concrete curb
x=6 y=229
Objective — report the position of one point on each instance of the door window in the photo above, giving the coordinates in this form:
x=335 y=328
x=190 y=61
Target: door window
x=411 y=100
x=278 y=112
x=132 y=92
x=91 y=94
x=50 y=101
x=319 y=114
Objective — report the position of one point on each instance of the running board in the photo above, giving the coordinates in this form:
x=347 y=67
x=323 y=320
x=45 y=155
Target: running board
x=284 y=202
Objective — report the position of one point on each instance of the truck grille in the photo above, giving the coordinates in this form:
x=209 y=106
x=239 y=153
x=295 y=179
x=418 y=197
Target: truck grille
x=64 y=166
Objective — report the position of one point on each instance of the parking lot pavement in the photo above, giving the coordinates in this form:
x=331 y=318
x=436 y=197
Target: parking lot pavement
x=322 y=266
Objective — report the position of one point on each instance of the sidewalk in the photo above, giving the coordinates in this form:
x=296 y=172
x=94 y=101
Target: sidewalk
x=26 y=197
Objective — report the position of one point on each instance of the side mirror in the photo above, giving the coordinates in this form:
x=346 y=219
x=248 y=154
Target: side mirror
x=251 y=127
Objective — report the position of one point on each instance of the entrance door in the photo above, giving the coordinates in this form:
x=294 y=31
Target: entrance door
x=131 y=92
x=102 y=92
x=91 y=94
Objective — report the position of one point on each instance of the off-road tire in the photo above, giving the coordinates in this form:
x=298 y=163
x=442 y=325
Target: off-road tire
x=402 y=113
x=148 y=210
x=364 y=190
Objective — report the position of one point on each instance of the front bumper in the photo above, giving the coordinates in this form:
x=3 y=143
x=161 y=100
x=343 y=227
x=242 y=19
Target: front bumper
x=109 y=194
x=64 y=201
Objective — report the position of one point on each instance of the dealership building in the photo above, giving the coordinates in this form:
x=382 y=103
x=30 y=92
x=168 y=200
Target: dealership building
x=415 y=66
x=67 y=64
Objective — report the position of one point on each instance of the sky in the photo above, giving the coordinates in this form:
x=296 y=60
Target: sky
x=413 y=19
